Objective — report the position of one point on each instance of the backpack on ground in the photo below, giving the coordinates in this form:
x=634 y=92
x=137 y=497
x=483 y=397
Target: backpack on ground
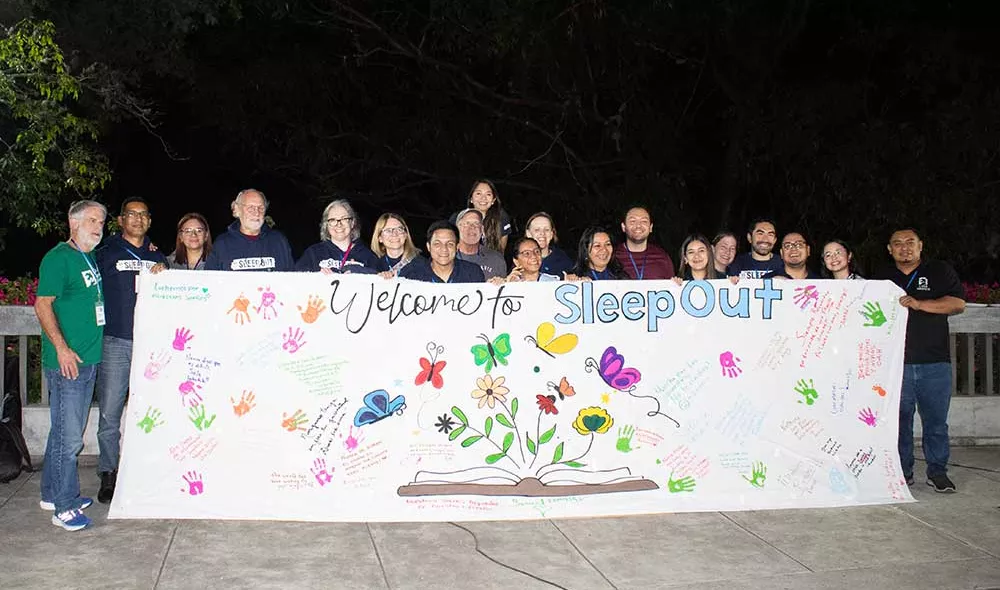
x=14 y=455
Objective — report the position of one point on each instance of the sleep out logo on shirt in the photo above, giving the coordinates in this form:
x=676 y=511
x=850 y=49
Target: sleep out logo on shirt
x=252 y=263
x=134 y=265
x=90 y=278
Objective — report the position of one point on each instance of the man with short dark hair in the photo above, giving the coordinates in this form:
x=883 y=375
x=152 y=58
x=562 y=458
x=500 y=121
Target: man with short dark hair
x=122 y=258
x=933 y=292
x=443 y=267
x=70 y=309
x=249 y=243
x=471 y=248
x=640 y=259
x=795 y=258
x=760 y=260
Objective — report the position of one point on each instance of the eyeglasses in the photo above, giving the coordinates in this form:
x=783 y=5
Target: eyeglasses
x=192 y=231
x=470 y=224
x=254 y=208
x=532 y=253
x=833 y=254
x=793 y=245
x=137 y=214
x=394 y=231
x=340 y=221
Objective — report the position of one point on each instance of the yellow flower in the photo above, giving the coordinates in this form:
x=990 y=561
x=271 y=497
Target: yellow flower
x=593 y=419
x=489 y=391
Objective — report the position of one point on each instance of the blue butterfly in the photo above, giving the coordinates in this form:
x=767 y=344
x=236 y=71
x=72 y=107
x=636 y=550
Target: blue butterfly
x=378 y=407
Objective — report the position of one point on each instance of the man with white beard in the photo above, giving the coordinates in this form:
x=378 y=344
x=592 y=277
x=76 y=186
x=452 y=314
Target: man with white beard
x=70 y=309
x=249 y=244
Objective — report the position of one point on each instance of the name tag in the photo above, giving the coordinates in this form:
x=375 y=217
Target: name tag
x=252 y=263
x=99 y=312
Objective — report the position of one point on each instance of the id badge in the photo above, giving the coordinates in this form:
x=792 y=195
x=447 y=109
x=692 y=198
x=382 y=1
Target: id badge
x=99 y=310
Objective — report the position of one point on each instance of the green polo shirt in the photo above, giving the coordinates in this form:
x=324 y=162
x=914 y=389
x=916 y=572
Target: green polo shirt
x=73 y=279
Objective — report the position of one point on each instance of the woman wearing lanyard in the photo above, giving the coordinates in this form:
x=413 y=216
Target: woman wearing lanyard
x=697 y=260
x=340 y=250
x=595 y=259
x=392 y=243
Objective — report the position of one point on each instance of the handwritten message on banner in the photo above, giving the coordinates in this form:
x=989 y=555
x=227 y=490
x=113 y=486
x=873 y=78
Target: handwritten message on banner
x=352 y=398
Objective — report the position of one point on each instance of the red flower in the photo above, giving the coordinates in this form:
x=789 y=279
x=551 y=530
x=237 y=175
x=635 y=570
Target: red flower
x=547 y=404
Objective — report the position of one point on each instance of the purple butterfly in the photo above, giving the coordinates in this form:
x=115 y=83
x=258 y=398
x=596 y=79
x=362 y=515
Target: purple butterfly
x=614 y=372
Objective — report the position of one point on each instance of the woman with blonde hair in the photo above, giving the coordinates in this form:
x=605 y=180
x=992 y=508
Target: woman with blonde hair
x=392 y=243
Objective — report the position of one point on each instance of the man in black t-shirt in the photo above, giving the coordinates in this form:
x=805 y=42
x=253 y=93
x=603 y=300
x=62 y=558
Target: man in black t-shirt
x=933 y=292
x=760 y=260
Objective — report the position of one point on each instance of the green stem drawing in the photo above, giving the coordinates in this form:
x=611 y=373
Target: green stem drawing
x=492 y=442
x=538 y=428
x=517 y=432
x=568 y=462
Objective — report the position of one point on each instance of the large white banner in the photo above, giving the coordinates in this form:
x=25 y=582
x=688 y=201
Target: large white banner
x=352 y=398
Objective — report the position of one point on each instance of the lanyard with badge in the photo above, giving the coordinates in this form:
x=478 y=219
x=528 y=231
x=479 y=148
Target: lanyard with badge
x=910 y=282
x=639 y=272
x=142 y=267
x=99 y=304
x=343 y=259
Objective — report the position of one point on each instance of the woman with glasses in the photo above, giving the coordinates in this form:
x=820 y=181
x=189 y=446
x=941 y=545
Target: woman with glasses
x=723 y=251
x=838 y=261
x=193 y=243
x=340 y=250
x=392 y=244
x=697 y=260
x=497 y=225
x=595 y=259
x=542 y=229
x=527 y=264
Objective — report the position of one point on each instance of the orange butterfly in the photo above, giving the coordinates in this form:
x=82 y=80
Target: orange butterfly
x=564 y=389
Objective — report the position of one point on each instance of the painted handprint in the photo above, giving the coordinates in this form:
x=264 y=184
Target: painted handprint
x=293 y=340
x=181 y=337
x=240 y=305
x=189 y=393
x=868 y=417
x=268 y=300
x=314 y=307
x=684 y=484
x=196 y=486
x=150 y=421
x=758 y=476
x=808 y=392
x=729 y=367
x=873 y=313
x=805 y=295
x=320 y=472
x=293 y=422
x=624 y=443
x=157 y=362
x=197 y=417
x=246 y=403
x=351 y=442
x=879 y=390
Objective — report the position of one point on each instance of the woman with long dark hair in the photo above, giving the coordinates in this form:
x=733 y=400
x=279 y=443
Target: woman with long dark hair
x=838 y=261
x=497 y=225
x=595 y=258
x=194 y=243
x=697 y=260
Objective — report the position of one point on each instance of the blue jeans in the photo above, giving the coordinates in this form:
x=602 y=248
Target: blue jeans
x=927 y=388
x=69 y=405
x=112 y=387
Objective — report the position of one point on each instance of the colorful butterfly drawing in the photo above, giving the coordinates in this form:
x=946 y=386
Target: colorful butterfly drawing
x=546 y=340
x=614 y=372
x=492 y=354
x=564 y=389
x=430 y=369
x=378 y=407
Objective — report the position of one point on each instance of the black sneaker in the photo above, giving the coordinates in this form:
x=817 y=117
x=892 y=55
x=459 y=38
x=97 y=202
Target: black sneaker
x=909 y=480
x=107 y=491
x=941 y=484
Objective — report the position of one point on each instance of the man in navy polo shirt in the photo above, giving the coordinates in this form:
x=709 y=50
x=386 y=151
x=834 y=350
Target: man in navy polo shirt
x=443 y=267
x=760 y=260
x=121 y=259
x=249 y=244
x=933 y=292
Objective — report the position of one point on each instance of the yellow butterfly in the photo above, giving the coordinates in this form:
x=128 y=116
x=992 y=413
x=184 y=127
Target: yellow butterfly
x=546 y=341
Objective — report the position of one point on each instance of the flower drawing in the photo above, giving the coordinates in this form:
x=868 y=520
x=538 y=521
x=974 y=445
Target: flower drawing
x=592 y=420
x=489 y=391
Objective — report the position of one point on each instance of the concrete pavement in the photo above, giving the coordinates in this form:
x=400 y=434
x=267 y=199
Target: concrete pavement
x=944 y=541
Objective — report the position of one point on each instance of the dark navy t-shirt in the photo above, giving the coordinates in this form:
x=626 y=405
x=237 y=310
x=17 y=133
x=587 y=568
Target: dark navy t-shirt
x=462 y=272
x=359 y=258
x=120 y=263
x=746 y=266
x=557 y=262
x=267 y=251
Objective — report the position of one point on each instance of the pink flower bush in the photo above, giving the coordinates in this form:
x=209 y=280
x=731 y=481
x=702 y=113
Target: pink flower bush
x=20 y=291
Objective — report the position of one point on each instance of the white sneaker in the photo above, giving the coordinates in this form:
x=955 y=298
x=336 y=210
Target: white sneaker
x=71 y=520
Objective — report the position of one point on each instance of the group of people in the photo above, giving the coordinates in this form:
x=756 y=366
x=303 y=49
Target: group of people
x=87 y=295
